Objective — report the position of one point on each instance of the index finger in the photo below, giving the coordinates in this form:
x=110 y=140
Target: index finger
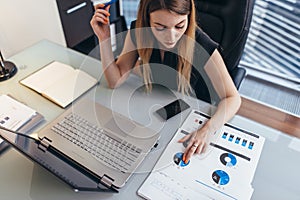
x=99 y=6
x=190 y=150
x=103 y=11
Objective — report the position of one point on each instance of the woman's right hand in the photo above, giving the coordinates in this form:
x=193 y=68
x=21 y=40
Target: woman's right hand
x=100 y=22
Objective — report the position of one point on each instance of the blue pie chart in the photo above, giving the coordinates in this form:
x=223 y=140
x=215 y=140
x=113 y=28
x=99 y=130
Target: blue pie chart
x=228 y=159
x=178 y=160
x=220 y=177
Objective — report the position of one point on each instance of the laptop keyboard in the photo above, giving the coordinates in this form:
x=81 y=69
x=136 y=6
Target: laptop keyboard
x=106 y=148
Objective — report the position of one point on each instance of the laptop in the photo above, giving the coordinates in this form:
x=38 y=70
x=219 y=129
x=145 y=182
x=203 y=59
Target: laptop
x=90 y=147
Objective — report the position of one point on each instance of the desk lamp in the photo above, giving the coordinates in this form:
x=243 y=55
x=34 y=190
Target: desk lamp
x=7 y=69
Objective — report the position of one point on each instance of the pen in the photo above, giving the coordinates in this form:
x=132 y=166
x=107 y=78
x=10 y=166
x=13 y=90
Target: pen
x=105 y=2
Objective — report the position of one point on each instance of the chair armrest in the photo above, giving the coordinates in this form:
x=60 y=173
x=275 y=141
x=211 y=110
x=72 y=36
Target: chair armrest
x=237 y=75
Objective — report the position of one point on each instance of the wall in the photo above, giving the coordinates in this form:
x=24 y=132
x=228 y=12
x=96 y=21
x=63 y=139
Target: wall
x=25 y=22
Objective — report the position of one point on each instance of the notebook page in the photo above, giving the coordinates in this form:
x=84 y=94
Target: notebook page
x=45 y=77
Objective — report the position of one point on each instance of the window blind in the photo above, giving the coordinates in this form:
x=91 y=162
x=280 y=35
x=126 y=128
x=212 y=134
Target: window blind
x=274 y=39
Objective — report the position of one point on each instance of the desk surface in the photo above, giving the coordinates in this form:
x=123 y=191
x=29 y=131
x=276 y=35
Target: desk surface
x=276 y=176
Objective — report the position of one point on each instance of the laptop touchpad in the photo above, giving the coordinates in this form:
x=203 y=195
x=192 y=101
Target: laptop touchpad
x=120 y=126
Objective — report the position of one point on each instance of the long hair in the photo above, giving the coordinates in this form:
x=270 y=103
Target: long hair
x=186 y=44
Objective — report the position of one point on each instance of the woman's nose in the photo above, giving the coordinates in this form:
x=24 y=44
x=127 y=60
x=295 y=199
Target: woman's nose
x=171 y=35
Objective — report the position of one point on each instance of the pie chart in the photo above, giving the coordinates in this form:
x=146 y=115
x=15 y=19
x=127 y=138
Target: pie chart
x=178 y=160
x=220 y=177
x=228 y=159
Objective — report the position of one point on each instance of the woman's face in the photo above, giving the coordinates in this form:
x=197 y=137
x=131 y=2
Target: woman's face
x=168 y=27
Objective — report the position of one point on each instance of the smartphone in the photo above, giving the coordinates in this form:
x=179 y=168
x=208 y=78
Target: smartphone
x=172 y=109
x=105 y=2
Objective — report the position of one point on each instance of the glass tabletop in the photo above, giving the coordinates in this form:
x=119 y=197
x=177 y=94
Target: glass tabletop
x=276 y=176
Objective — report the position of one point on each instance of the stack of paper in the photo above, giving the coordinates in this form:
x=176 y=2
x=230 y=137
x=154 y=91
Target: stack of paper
x=13 y=114
x=225 y=171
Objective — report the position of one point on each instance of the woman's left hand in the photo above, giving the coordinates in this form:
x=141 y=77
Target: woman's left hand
x=197 y=143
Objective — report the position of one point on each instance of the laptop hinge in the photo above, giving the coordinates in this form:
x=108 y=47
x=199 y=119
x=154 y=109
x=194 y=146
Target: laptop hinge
x=44 y=144
x=107 y=181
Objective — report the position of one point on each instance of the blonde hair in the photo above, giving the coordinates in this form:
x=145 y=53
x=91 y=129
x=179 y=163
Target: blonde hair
x=186 y=44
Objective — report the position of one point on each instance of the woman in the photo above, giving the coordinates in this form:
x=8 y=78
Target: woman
x=166 y=32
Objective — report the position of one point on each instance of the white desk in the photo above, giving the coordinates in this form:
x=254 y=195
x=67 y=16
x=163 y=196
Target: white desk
x=276 y=177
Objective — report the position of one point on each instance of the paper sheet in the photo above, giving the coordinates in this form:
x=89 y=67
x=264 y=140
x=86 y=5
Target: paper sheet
x=225 y=172
x=14 y=114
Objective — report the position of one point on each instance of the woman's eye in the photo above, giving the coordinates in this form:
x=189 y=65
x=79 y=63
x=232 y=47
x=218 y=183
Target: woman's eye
x=159 y=28
x=179 y=27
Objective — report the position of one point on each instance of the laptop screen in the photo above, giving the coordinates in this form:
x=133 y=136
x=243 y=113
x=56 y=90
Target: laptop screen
x=75 y=175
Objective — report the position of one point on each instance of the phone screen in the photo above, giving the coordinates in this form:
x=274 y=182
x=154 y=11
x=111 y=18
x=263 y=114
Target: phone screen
x=172 y=109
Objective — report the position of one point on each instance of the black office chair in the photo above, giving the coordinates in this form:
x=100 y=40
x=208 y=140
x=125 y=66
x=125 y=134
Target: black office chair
x=227 y=22
x=120 y=30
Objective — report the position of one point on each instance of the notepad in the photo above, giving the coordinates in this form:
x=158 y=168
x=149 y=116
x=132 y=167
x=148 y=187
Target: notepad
x=60 y=83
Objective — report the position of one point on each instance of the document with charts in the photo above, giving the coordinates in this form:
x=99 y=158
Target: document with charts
x=225 y=171
x=60 y=83
x=16 y=116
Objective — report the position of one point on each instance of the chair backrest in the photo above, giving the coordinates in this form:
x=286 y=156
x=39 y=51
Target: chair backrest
x=120 y=27
x=227 y=22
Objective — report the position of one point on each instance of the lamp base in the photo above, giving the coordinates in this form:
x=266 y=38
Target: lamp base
x=10 y=70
